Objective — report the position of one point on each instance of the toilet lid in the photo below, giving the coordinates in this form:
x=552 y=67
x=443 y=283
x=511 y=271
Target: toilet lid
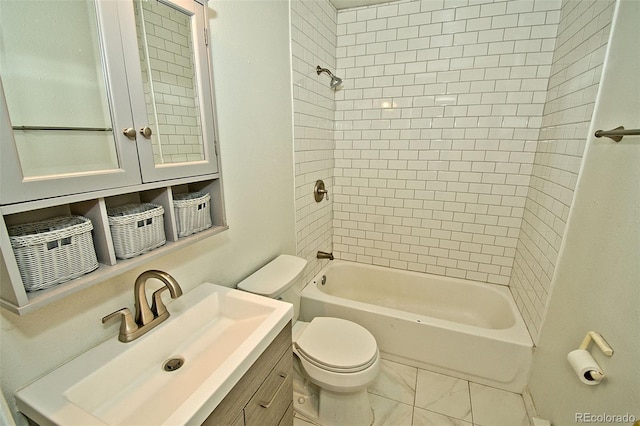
x=337 y=345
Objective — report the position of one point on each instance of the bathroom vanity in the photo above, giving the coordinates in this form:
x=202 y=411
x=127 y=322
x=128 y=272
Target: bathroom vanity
x=264 y=394
x=236 y=369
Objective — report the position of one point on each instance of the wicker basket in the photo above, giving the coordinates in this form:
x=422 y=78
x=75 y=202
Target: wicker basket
x=53 y=251
x=136 y=229
x=192 y=212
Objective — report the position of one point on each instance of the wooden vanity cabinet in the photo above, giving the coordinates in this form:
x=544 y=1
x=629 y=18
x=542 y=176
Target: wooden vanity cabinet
x=264 y=395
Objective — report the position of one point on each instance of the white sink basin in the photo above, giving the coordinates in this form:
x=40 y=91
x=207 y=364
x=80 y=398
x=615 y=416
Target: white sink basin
x=218 y=331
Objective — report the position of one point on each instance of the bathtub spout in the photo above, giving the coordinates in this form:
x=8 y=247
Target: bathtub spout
x=324 y=255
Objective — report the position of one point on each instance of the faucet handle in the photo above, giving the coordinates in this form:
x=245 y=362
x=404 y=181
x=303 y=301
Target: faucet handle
x=158 y=307
x=128 y=324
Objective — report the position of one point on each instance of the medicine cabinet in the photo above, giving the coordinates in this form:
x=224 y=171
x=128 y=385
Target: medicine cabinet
x=102 y=103
x=99 y=94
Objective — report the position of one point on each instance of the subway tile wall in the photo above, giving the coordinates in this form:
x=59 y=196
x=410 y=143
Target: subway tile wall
x=437 y=124
x=575 y=73
x=313 y=42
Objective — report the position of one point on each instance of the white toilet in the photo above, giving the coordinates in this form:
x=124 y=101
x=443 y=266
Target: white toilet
x=339 y=357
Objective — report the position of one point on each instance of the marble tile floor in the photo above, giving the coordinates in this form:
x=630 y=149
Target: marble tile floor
x=409 y=396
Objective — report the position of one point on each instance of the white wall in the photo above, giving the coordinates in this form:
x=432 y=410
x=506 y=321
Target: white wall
x=578 y=59
x=251 y=56
x=596 y=282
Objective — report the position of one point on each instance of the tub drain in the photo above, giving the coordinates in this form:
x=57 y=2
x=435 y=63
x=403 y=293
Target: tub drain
x=173 y=364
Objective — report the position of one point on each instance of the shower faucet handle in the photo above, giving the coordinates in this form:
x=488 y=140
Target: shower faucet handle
x=319 y=191
x=325 y=192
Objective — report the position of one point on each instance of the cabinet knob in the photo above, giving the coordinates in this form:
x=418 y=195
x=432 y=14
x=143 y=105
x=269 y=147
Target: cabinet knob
x=146 y=132
x=129 y=132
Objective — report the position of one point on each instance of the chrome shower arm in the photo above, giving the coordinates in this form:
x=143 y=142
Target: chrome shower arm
x=320 y=70
x=335 y=80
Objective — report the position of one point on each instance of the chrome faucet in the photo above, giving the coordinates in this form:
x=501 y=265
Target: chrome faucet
x=144 y=314
x=146 y=317
x=324 y=255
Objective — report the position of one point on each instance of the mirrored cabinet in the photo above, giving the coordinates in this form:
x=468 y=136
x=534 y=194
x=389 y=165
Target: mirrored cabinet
x=174 y=103
x=103 y=104
x=100 y=94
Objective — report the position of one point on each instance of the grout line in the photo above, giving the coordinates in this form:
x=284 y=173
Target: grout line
x=415 y=395
x=470 y=402
x=415 y=385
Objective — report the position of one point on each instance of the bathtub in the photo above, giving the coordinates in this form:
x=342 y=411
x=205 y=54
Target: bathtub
x=461 y=328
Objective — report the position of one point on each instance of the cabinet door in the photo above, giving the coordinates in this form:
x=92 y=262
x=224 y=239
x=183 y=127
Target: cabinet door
x=63 y=100
x=168 y=73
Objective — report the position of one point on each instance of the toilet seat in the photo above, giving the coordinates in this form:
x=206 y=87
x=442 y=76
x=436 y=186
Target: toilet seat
x=335 y=359
x=337 y=345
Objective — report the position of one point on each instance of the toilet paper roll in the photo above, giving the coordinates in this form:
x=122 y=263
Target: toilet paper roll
x=587 y=369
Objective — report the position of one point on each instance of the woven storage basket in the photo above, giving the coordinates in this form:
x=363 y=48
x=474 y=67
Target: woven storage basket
x=136 y=229
x=192 y=212
x=53 y=251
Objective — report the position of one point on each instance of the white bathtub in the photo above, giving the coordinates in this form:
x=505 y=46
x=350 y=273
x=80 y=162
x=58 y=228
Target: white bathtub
x=461 y=328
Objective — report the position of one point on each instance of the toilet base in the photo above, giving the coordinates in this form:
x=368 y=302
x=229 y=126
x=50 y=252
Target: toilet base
x=305 y=399
x=341 y=409
x=327 y=408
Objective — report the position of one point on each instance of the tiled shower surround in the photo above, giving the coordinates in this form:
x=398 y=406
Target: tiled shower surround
x=313 y=42
x=437 y=128
x=459 y=131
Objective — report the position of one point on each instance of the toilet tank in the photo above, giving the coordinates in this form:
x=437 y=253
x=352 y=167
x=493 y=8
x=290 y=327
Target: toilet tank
x=276 y=280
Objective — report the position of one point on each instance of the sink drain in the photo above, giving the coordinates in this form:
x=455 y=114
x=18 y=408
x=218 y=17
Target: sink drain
x=173 y=364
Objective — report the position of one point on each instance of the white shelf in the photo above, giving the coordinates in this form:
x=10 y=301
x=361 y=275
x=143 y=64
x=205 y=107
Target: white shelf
x=16 y=299
x=41 y=298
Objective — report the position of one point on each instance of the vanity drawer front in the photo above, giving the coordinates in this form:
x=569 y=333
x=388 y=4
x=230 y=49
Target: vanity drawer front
x=238 y=421
x=287 y=419
x=270 y=402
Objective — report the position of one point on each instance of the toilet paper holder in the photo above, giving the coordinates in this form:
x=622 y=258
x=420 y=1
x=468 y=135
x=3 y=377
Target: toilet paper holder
x=592 y=336
x=586 y=368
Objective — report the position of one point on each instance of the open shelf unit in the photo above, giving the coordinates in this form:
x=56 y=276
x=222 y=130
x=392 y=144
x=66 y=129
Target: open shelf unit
x=13 y=295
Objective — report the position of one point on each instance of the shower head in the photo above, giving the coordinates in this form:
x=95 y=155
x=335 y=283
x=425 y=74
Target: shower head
x=335 y=81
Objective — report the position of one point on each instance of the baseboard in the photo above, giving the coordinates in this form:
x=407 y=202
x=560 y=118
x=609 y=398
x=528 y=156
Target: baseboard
x=532 y=414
